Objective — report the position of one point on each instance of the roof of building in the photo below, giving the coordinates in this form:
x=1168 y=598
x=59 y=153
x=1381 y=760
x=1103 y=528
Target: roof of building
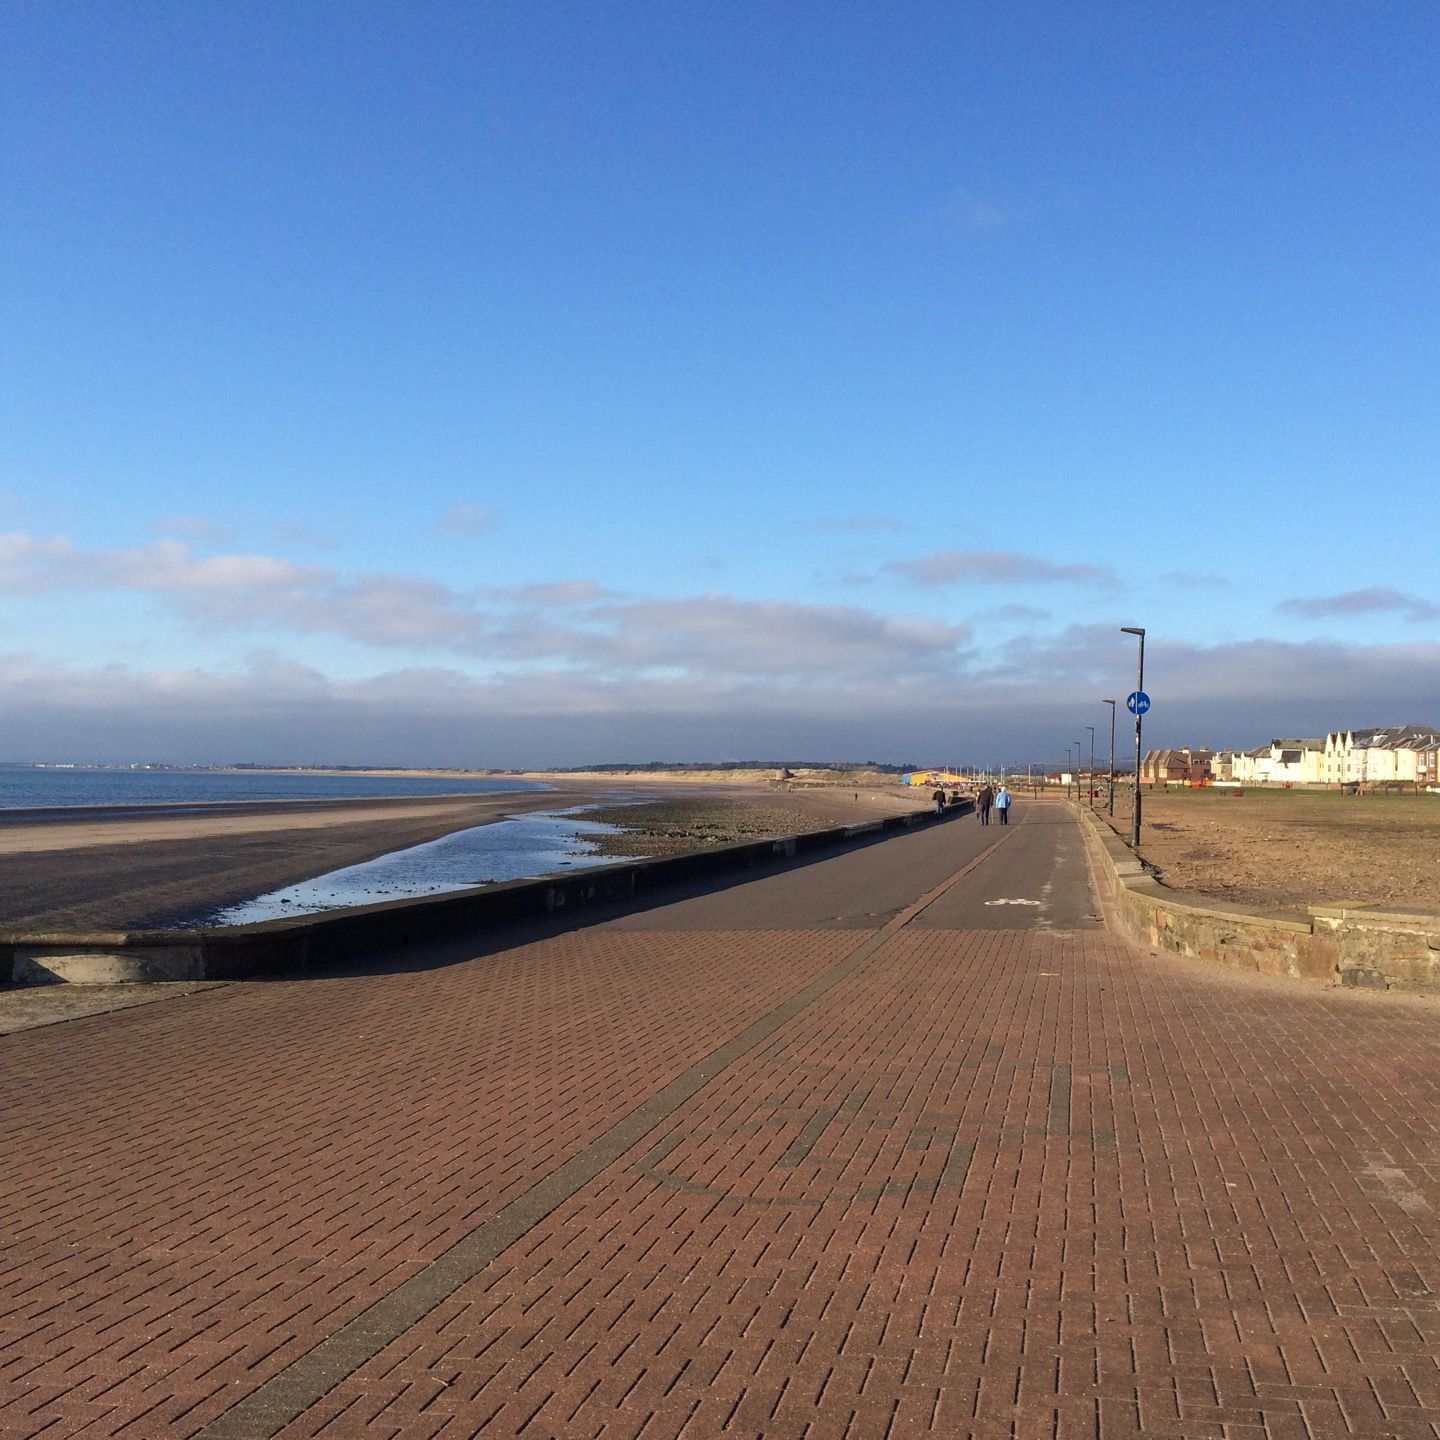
x=1179 y=755
x=1388 y=734
x=1407 y=742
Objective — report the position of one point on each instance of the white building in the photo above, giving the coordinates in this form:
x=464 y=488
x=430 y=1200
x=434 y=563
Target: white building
x=1281 y=762
x=1368 y=757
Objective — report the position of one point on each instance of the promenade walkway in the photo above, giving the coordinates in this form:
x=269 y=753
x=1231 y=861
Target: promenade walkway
x=899 y=1143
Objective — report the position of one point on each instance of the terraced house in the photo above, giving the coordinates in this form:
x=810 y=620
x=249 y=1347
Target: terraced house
x=1281 y=762
x=1404 y=753
x=1181 y=766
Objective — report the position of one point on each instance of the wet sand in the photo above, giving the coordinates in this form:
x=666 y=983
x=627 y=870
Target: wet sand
x=101 y=872
x=123 y=872
x=677 y=824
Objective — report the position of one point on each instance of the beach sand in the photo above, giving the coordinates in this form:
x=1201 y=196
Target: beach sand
x=93 y=872
x=97 y=872
x=675 y=824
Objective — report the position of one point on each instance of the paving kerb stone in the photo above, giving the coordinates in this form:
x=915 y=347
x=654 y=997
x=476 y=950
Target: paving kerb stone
x=1349 y=943
x=277 y=947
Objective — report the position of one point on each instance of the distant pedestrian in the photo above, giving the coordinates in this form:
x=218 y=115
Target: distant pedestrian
x=983 y=801
x=1002 y=805
x=939 y=798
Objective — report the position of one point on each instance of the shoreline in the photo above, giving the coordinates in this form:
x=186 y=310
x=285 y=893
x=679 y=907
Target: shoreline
x=20 y=815
x=126 y=872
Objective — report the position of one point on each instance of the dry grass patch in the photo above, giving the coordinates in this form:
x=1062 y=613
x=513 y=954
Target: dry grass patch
x=1285 y=849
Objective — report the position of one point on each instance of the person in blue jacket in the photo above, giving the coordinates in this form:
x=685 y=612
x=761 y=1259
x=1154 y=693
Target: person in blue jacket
x=1002 y=805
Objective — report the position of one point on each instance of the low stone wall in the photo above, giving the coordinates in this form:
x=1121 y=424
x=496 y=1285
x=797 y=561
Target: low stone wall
x=1344 y=944
x=276 y=947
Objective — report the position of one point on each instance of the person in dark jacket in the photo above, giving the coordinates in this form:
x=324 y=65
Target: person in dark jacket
x=983 y=802
x=939 y=798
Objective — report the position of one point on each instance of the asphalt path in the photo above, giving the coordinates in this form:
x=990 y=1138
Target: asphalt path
x=1033 y=876
x=1038 y=879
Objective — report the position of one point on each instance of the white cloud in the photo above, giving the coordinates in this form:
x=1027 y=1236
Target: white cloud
x=998 y=567
x=169 y=565
x=1025 y=708
x=239 y=590
x=706 y=635
x=722 y=634
x=1031 y=614
x=557 y=593
x=1378 y=599
x=518 y=662
x=31 y=564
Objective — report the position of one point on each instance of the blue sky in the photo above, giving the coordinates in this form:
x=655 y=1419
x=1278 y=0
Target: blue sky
x=518 y=385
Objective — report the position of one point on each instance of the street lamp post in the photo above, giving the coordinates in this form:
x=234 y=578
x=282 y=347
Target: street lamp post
x=1139 y=631
x=1078 y=754
x=1111 y=704
x=1091 y=787
x=1069 y=768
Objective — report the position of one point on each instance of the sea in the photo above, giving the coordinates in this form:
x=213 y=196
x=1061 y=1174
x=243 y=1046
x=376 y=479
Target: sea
x=43 y=787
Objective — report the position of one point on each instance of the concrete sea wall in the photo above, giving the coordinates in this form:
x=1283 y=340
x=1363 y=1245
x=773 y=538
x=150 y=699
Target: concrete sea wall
x=1349 y=943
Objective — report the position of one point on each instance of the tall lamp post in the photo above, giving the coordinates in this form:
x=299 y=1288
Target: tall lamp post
x=1111 y=704
x=1091 y=786
x=1137 y=630
x=1078 y=754
x=1069 y=769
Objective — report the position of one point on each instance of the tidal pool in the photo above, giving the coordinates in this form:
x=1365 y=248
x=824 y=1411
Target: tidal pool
x=517 y=848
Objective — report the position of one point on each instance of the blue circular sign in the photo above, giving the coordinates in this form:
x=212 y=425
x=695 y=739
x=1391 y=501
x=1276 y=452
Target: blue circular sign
x=1138 y=702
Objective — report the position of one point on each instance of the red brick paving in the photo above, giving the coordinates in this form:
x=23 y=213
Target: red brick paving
x=1008 y=1183
x=197 y=1192
x=1168 y=1226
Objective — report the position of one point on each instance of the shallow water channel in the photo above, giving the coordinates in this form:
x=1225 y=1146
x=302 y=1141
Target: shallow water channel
x=516 y=848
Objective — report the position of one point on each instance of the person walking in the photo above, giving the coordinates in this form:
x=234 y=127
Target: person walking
x=1002 y=805
x=939 y=798
x=983 y=802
